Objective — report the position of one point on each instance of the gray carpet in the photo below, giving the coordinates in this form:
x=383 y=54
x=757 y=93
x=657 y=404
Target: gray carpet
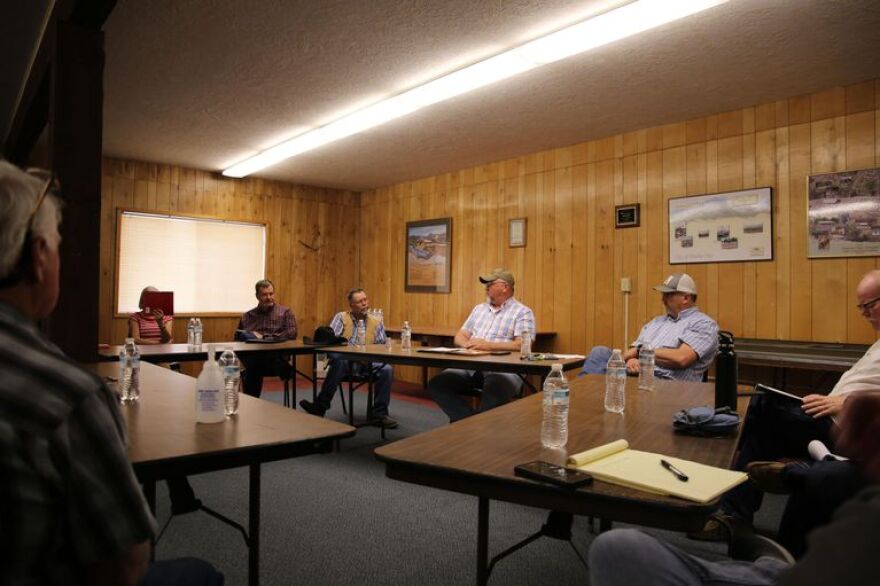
x=335 y=519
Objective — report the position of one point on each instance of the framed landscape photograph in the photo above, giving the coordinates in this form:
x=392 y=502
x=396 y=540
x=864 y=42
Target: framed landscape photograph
x=735 y=226
x=428 y=256
x=843 y=217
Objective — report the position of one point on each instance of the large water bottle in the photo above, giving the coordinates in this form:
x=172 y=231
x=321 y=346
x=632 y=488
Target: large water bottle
x=231 y=374
x=554 y=426
x=360 y=336
x=197 y=335
x=615 y=383
x=209 y=392
x=525 y=347
x=646 y=367
x=406 y=337
x=191 y=334
x=129 y=371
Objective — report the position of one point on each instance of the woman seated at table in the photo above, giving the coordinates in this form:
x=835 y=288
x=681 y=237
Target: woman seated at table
x=154 y=327
x=149 y=327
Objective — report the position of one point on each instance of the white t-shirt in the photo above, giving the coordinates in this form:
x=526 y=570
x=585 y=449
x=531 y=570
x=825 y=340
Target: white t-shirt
x=864 y=374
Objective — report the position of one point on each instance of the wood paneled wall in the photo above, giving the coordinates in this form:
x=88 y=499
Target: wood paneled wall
x=311 y=282
x=570 y=270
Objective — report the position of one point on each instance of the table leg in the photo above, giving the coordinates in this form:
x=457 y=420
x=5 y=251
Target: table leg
x=254 y=526
x=150 y=496
x=483 y=542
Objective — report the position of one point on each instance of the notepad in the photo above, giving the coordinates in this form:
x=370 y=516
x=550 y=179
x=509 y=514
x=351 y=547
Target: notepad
x=457 y=351
x=617 y=464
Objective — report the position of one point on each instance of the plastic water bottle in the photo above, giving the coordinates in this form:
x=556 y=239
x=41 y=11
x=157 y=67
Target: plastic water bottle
x=209 y=392
x=554 y=426
x=129 y=371
x=191 y=334
x=646 y=367
x=360 y=337
x=615 y=383
x=231 y=374
x=406 y=337
x=197 y=335
x=525 y=348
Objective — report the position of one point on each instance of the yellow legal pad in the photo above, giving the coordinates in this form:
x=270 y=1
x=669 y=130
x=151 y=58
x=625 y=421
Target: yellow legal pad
x=617 y=464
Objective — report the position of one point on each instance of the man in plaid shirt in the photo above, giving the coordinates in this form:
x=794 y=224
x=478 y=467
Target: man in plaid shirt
x=496 y=324
x=267 y=320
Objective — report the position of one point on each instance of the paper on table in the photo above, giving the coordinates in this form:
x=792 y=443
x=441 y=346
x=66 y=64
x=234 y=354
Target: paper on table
x=617 y=464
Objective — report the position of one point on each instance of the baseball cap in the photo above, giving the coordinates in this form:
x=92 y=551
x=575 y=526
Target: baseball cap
x=497 y=274
x=679 y=282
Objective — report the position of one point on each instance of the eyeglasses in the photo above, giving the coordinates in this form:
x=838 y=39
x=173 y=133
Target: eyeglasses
x=867 y=305
x=51 y=182
x=488 y=285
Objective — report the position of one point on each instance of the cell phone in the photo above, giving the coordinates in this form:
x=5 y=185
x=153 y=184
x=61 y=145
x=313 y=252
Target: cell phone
x=552 y=473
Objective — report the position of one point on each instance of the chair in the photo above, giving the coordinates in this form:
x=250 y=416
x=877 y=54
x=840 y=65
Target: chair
x=751 y=546
x=356 y=378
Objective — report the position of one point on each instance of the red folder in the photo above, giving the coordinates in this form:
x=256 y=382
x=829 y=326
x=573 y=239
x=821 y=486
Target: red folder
x=163 y=300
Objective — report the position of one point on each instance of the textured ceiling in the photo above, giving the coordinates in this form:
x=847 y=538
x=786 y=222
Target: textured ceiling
x=205 y=83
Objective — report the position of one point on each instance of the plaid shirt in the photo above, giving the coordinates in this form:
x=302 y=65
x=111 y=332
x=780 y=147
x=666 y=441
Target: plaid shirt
x=500 y=324
x=692 y=327
x=278 y=322
x=68 y=495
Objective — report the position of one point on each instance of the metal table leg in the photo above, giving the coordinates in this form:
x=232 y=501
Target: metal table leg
x=483 y=542
x=254 y=526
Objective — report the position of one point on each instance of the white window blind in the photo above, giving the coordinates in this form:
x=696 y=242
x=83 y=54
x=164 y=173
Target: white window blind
x=210 y=265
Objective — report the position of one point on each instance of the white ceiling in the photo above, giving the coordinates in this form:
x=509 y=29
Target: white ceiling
x=205 y=83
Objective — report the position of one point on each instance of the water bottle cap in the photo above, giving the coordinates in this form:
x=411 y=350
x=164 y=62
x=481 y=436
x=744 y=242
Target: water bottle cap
x=557 y=366
x=129 y=340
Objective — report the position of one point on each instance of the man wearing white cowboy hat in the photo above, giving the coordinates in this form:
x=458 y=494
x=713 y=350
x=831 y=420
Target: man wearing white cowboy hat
x=685 y=340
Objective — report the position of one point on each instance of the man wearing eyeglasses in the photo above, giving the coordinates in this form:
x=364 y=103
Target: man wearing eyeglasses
x=777 y=427
x=71 y=509
x=495 y=325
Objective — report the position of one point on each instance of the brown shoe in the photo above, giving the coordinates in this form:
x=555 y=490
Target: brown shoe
x=768 y=476
x=720 y=527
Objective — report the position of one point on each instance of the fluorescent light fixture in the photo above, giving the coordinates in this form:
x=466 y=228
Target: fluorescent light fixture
x=628 y=20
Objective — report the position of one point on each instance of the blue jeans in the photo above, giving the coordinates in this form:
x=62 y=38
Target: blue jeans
x=624 y=557
x=337 y=372
x=497 y=389
x=597 y=361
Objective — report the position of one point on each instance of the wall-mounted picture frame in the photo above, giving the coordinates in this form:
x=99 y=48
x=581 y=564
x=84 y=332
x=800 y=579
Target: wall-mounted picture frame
x=428 y=267
x=843 y=217
x=733 y=226
x=627 y=216
x=516 y=232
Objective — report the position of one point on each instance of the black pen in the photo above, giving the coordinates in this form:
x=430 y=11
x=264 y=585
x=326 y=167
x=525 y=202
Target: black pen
x=678 y=473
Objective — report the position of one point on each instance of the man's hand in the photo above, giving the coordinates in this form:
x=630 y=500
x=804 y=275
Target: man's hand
x=823 y=405
x=258 y=335
x=478 y=344
x=632 y=366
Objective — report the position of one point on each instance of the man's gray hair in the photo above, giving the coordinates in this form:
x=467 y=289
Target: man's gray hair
x=352 y=292
x=19 y=192
x=262 y=284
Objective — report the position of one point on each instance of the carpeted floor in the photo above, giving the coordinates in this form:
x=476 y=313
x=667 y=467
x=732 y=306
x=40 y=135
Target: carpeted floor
x=335 y=519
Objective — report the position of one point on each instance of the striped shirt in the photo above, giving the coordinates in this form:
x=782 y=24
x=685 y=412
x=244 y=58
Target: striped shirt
x=68 y=495
x=278 y=322
x=692 y=327
x=147 y=325
x=500 y=324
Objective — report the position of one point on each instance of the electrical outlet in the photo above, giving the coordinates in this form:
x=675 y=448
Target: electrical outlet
x=625 y=285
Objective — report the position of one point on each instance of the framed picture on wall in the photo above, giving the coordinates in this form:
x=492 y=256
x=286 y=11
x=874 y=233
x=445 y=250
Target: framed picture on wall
x=516 y=233
x=428 y=256
x=844 y=214
x=627 y=216
x=735 y=226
